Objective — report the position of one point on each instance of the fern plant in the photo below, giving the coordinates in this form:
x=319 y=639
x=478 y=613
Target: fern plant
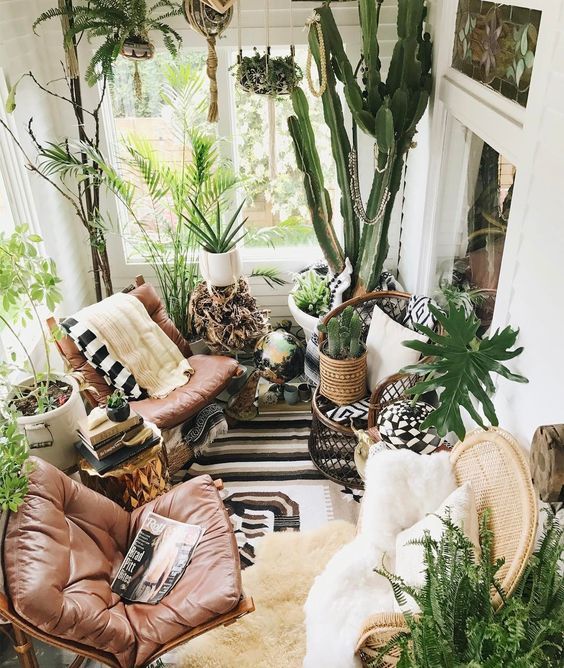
x=116 y=22
x=458 y=626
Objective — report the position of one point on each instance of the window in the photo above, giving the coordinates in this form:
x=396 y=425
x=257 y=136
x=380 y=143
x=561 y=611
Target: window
x=6 y=218
x=265 y=158
x=475 y=201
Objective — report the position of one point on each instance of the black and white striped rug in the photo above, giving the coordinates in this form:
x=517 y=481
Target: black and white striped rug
x=271 y=484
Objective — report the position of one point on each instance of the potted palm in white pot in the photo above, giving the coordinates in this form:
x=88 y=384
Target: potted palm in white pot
x=220 y=260
x=47 y=405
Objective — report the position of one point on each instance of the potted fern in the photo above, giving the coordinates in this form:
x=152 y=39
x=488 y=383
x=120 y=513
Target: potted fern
x=47 y=405
x=342 y=363
x=125 y=26
x=220 y=261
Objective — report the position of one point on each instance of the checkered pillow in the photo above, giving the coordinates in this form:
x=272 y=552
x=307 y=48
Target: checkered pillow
x=98 y=356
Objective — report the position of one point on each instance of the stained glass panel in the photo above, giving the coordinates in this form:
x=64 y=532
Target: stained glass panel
x=495 y=45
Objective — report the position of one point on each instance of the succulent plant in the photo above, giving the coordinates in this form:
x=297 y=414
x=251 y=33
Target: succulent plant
x=343 y=335
x=312 y=293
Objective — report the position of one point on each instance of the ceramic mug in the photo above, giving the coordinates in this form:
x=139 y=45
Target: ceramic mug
x=291 y=394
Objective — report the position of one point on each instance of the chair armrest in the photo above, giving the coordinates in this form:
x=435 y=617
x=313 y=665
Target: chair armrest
x=377 y=631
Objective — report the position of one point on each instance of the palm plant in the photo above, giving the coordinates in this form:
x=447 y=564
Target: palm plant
x=119 y=23
x=216 y=238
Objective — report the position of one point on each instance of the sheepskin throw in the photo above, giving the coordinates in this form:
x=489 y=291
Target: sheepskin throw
x=274 y=635
x=122 y=323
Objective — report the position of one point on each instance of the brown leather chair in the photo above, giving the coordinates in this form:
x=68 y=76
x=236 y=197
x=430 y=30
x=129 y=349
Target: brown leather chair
x=62 y=549
x=212 y=373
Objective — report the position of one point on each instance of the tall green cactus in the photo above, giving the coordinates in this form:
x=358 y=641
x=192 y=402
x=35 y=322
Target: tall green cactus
x=333 y=338
x=343 y=334
x=355 y=347
x=387 y=111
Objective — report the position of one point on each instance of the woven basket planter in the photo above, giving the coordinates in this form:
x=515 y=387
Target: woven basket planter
x=342 y=381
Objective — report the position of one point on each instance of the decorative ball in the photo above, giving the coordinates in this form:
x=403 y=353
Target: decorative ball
x=279 y=356
x=399 y=426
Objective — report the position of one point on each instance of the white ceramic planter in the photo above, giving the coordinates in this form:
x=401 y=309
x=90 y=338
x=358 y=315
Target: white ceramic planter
x=306 y=321
x=221 y=269
x=52 y=435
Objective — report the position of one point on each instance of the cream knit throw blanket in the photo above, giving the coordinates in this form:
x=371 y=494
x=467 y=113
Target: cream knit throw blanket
x=134 y=339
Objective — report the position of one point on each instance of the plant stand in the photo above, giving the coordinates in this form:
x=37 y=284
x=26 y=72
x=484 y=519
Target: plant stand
x=332 y=444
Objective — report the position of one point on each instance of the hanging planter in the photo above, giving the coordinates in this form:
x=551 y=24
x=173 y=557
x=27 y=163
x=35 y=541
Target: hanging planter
x=210 y=24
x=263 y=74
x=136 y=48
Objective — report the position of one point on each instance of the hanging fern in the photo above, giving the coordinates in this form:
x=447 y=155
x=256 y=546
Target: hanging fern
x=115 y=22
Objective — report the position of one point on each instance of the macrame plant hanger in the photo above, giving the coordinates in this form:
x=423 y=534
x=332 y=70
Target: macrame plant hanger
x=210 y=24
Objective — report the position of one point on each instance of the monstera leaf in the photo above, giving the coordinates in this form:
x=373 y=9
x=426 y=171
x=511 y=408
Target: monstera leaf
x=461 y=368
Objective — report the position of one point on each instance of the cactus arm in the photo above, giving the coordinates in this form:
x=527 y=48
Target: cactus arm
x=333 y=338
x=341 y=148
x=356 y=332
x=345 y=331
x=369 y=19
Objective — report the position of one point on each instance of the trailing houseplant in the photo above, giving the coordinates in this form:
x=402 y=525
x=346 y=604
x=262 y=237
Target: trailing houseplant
x=124 y=26
x=264 y=74
x=387 y=111
x=14 y=465
x=458 y=625
x=28 y=283
x=459 y=365
x=342 y=358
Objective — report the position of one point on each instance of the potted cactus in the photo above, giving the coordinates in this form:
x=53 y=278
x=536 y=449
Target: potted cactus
x=342 y=363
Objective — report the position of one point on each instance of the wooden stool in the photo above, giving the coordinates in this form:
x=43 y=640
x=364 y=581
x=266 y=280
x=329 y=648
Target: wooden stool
x=133 y=483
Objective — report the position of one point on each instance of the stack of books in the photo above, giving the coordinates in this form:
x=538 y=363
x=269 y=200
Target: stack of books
x=107 y=445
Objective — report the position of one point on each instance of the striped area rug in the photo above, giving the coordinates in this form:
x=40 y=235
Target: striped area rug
x=271 y=484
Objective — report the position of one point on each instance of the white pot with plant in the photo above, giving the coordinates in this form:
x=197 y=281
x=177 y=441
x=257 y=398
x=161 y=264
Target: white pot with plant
x=47 y=405
x=309 y=300
x=220 y=260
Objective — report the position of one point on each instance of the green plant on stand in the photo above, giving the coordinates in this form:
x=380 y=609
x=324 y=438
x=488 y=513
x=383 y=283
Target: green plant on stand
x=312 y=293
x=216 y=237
x=459 y=365
x=343 y=335
x=386 y=110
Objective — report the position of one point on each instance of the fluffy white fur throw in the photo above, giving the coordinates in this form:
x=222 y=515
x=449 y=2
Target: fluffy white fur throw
x=401 y=488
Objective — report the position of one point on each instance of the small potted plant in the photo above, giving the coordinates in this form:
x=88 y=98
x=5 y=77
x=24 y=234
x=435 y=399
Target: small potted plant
x=220 y=261
x=47 y=405
x=309 y=299
x=117 y=407
x=342 y=362
x=14 y=467
x=263 y=74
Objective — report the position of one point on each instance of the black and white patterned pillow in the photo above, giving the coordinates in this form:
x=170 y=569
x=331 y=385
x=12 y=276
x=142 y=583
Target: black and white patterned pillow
x=418 y=312
x=98 y=356
x=311 y=363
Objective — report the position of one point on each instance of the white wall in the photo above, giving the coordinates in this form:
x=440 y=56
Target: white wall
x=21 y=51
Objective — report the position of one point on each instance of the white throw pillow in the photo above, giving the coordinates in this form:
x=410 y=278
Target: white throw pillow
x=410 y=562
x=386 y=353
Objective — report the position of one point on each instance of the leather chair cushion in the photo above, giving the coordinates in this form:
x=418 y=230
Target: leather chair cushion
x=212 y=374
x=61 y=552
x=210 y=586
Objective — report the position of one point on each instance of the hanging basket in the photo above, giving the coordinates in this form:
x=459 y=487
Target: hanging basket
x=263 y=74
x=137 y=48
x=210 y=24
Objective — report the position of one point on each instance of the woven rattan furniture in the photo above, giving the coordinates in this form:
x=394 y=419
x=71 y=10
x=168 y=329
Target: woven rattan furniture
x=331 y=445
x=498 y=470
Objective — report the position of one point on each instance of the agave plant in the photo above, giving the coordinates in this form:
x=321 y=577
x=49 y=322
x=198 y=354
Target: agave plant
x=216 y=237
x=123 y=25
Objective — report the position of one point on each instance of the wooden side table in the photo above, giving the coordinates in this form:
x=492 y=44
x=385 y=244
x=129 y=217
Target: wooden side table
x=133 y=483
x=331 y=445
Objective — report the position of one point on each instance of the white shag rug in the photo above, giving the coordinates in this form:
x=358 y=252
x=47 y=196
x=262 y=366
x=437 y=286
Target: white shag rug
x=274 y=635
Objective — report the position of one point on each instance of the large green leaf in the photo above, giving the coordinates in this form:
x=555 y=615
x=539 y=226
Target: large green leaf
x=461 y=369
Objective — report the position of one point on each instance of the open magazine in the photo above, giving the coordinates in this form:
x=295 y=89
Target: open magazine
x=156 y=559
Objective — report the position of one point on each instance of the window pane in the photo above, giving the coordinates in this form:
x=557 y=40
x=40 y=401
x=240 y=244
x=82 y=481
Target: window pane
x=153 y=126
x=266 y=160
x=6 y=220
x=475 y=200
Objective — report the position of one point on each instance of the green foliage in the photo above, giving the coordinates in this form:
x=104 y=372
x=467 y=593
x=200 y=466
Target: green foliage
x=115 y=21
x=388 y=111
x=343 y=335
x=311 y=293
x=158 y=195
x=28 y=280
x=461 y=368
x=266 y=75
x=216 y=237
x=14 y=466
x=458 y=626
x=117 y=399
x=270 y=275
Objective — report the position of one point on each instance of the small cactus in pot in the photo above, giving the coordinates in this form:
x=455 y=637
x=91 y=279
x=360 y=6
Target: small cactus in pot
x=343 y=358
